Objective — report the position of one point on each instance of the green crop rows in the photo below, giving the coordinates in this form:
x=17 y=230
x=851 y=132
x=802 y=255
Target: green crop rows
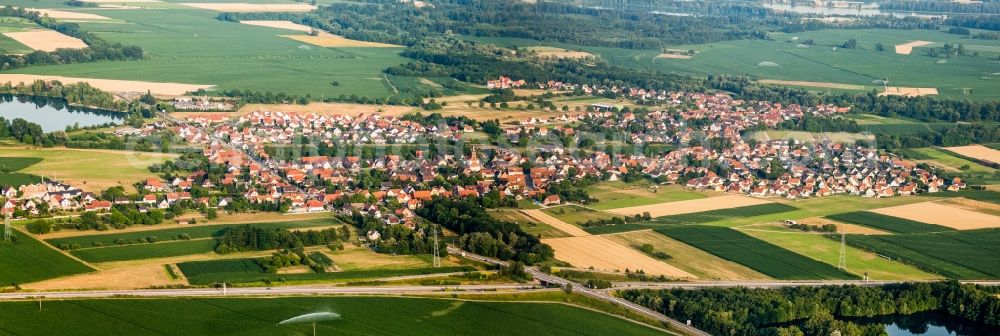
x=260 y=317
x=887 y=223
x=754 y=253
x=958 y=254
x=29 y=260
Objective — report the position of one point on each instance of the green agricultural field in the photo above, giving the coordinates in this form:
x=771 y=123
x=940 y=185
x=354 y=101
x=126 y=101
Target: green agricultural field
x=724 y=217
x=958 y=77
x=859 y=262
x=14 y=24
x=716 y=215
x=248 y=271
x=979 y=195
x=576 y=214
x=613 y=195
x=18 y=179
x=9 y=167
x=887 y=223
x=260 y=316
x=187 y=45
x=959 y=254
x=949 y=162
x=29 y=260
x=754 y=253
x=193 y=232
x=146 y=251
x=167 y=246
x=13 y=164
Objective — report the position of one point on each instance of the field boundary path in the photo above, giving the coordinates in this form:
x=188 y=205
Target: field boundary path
x=547 y=219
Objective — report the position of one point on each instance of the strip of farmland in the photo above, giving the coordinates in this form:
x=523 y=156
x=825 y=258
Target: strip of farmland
x=959 y=254
x=754 y=253
x=887 y=223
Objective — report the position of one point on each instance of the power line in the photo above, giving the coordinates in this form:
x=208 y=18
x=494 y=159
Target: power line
x=437 y=255
x=842 y=263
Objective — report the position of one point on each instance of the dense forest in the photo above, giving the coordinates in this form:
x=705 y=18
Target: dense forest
x=817 y=310
x=98 y=49
x=985 y=7
x=482 y=234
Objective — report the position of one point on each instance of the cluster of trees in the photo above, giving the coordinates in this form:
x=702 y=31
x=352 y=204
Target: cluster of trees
x=98 y=49
x=483 y=234
x=317 y=262
x=814 y=228
x=817 y=310
x=398 y=239
x=257 y=238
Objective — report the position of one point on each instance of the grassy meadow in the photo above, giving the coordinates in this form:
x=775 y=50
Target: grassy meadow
x=826 y=250
x=260 y=316
x=91 y=170
x=613 y=195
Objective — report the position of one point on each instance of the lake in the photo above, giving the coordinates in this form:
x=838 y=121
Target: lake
x=53 y=114
x=931 y=324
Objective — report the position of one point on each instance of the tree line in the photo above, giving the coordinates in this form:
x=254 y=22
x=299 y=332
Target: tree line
x=482 y=234
x=257 y=238
x=817 y=310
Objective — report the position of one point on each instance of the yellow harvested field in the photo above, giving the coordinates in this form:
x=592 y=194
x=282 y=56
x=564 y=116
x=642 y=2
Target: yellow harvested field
x=605 y=255
x=60 y=15
x=328 y=40
x=977 y=152
x=941 y=214
x=908 y=91
x=674 y=56
x=570 y=229
x=690 y=206
x=907 y=48
x=46 y=40
x=247 y=7
x=825 y=85
x=112 y=85
x=137 y=277
x=278 y=24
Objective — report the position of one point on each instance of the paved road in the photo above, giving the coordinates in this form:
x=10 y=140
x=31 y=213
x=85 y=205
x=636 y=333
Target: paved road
x=582 y=289
x=269 y=291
